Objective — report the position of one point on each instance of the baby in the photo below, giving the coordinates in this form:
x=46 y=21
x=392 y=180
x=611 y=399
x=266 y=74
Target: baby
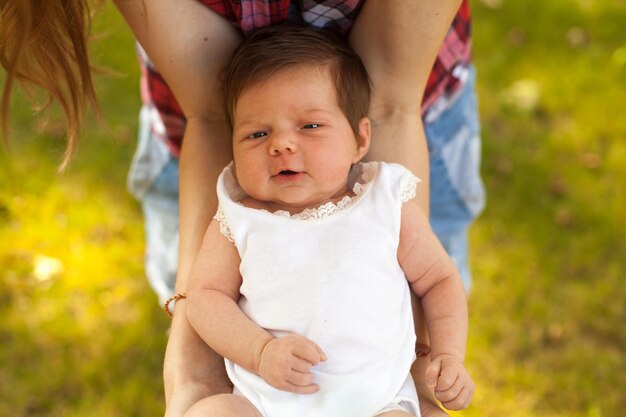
x=303 y=280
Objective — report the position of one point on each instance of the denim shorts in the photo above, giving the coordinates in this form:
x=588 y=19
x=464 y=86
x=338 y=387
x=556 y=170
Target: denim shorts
x=456 y=191
x=457 y=194
x=153 y=180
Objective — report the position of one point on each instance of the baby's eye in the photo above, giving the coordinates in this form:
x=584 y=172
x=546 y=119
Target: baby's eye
x=256 y=135
x=311 y=126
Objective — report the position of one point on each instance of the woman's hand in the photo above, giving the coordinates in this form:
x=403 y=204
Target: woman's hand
x=191 y=370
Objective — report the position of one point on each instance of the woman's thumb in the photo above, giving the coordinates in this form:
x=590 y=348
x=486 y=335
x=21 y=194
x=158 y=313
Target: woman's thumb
x=432 y=374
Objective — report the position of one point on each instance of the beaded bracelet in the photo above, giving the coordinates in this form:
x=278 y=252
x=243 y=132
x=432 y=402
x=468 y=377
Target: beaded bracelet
x=176 y=297
x=422 y=350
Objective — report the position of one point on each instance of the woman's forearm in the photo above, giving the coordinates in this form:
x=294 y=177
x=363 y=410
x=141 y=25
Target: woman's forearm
x=206 y=151
x=191 y=369
x=398 y=136
x=398 y=41
x=201 y=375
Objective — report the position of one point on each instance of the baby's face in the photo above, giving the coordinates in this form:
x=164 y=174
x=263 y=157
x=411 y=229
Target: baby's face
x=292 y=144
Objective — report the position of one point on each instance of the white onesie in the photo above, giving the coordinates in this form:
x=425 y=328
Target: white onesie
x=330 y=274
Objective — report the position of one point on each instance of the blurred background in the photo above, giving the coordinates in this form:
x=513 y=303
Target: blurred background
x=81 y=333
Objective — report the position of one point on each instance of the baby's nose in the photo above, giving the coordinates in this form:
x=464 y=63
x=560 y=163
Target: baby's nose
x=282 y=142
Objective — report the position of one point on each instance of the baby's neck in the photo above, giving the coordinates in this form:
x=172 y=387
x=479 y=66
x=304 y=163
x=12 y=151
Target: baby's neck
x=294 y=208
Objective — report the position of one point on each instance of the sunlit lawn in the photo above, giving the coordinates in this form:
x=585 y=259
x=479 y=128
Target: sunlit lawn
x=82 y=334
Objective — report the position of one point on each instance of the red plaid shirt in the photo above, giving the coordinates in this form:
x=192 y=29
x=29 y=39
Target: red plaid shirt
x=446 y=77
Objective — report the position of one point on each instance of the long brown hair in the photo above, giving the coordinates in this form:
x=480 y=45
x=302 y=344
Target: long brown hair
x=44 y=43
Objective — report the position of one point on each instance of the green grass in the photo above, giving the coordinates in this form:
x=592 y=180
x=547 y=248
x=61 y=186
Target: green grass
x=548 y=253
x=82 y=334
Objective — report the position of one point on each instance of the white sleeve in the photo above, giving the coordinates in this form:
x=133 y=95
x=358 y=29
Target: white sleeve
x=224 y=228
x=408 y=186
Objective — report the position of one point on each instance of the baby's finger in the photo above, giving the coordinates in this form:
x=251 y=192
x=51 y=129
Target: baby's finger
x=301 y=365
x=309 y=389
x=300 y=379
x=319 y=350
x=450 y=393
x=461 y=401
x=310 y=352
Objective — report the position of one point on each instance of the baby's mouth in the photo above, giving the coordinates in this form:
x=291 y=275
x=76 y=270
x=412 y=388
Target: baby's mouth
x=287 y=172
x=288 y=175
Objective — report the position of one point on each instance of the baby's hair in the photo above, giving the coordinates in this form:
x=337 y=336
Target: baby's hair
x=279 y=48
x=44 y=43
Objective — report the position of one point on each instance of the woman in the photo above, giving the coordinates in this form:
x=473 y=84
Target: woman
x=189 y=41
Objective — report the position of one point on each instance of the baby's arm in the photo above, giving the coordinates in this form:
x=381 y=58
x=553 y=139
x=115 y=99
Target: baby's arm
x=212 y=310
x=435 y=279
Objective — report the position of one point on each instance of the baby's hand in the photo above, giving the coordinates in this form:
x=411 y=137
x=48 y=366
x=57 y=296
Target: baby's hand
x=286 y=364
x=452 y=384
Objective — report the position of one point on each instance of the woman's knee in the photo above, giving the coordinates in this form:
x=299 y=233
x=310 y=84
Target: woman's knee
x=395 y=413
x=223 y=405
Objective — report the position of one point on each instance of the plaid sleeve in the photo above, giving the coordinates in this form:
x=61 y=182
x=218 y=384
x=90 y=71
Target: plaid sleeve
x=452 y=61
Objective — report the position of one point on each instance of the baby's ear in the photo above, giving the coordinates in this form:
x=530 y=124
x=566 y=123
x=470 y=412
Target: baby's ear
x=364 y=138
